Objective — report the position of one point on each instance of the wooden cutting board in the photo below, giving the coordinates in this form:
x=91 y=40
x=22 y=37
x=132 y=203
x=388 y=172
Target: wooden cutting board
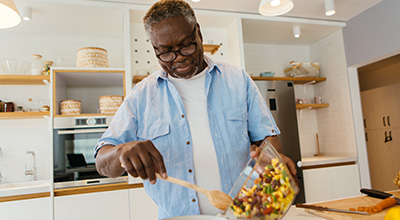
x=353 y=202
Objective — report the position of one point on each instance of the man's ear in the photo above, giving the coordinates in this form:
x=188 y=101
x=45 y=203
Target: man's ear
x=199 y=32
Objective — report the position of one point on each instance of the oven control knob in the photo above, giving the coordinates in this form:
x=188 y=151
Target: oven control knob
x=90 y=121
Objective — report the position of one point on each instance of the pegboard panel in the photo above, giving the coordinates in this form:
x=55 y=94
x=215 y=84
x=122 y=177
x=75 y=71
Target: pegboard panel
x=142 y=53
x=144 y=59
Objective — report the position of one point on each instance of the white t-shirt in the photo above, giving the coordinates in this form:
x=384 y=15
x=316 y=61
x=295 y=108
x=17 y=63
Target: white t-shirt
x=206 y=172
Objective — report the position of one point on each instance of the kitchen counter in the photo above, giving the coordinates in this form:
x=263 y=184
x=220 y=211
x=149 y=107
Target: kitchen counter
x=327 y=160
x=24 y=188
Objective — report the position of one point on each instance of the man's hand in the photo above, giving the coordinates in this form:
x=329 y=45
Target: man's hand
x=138 y=158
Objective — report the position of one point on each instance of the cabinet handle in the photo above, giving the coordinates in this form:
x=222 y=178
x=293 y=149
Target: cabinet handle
x=366 y=136
x=384 y=123
x=365 y=123
x=388 y=120
x=390 y=136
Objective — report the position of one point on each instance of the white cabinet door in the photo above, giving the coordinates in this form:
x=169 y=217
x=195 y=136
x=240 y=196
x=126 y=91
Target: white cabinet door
x=329 y=183
x=142 y=206
x=32 y=209
x=98 y=206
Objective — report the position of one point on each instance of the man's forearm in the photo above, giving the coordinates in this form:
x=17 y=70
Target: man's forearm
x=107 y=161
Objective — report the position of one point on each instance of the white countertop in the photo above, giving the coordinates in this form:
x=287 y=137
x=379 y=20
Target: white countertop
x=23 y=188
x=322 y=160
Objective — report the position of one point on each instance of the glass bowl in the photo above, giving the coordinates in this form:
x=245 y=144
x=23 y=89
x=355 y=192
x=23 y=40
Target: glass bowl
x=14 y=67
x=265 y=189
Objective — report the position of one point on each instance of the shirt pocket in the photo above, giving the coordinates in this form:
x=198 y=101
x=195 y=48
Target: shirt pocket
x=159 y=135
x=237 y=125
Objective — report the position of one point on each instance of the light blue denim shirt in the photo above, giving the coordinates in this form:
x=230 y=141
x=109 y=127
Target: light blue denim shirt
x=154 y=111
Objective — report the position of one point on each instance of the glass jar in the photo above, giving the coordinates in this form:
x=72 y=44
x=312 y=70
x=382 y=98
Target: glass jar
x=8 y=106
x=1 y=106
x=46 y=67
x=36 y=64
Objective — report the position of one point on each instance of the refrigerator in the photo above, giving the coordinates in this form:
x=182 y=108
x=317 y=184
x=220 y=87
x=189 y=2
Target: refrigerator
x=279 y=96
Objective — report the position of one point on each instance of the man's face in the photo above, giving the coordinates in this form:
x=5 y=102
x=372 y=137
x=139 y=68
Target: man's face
x=176 y=35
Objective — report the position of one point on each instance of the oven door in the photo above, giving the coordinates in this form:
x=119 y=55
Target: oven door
x=73 y=153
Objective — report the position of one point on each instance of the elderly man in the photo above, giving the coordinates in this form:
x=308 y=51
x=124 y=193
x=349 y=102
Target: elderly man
x=196 y=119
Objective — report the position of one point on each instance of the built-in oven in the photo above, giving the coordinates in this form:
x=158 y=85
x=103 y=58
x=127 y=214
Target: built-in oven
x=74 y=139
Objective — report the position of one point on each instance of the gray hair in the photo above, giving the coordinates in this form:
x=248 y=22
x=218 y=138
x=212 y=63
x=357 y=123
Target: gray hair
x=165 y=9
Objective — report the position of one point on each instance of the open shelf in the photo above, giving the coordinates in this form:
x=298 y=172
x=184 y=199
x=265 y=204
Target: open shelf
x=311 y=106
x=23 y=80
x=22 y=115
x=295 y=80
x=84 y=115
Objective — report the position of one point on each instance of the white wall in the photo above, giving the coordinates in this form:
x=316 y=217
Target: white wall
x=335 y=123
x=373 y=33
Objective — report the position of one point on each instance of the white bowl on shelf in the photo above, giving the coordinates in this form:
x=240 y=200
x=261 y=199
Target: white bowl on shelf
x=14 y=67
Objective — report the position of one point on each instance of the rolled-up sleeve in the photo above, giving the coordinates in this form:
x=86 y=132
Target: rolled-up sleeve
x=123 y=127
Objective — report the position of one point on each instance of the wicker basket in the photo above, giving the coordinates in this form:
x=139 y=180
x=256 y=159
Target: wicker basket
x=70 y=107
x=302 y=70
x=92 y=57
x=109 y=104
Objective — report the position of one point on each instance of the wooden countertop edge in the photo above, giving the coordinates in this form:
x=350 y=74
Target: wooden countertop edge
x=96 y=188
x=25 y=196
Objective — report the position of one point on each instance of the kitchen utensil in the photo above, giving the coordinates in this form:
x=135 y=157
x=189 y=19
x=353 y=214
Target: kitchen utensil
x=267 y=174
x=318 y=151
x=324 y=208
x=217 y=198
x=378 y=194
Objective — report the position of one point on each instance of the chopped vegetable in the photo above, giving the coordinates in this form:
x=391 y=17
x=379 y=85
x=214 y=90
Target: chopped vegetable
x=271 y=194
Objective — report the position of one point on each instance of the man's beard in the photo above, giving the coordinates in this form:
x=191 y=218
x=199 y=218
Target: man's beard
x=191 y=72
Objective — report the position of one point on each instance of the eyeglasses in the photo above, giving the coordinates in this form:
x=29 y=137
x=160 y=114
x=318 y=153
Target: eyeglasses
x=186 y=50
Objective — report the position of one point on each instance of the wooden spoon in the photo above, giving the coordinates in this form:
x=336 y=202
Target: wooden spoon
x=217 y=198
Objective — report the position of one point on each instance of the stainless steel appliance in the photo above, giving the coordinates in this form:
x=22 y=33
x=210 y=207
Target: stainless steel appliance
x=74 y=140
x=280 y=99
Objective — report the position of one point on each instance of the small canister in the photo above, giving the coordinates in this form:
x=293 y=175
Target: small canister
x=1 y=106
x=36 y=64
x=8 y=106
x=46 y=67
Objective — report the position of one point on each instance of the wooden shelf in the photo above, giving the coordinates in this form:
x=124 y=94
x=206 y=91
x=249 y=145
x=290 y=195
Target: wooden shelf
x=311 y=106
x=84 y=115
x=22 y=115
x=23 y=80
x=295 y=80
x=212 y=48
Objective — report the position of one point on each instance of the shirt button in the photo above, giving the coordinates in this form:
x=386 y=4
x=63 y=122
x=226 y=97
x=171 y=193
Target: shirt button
x=273 y=131
x=193 y=200
x=190 y=170
x=188 y=142
x=183 y=116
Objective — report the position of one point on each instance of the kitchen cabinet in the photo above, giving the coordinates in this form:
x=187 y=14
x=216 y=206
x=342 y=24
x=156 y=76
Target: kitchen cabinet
x=99 y=206
x=141 y=205
x=86 y=85
x=32 y=209
x=385 y=107
x=330 y=183
x=381 y=107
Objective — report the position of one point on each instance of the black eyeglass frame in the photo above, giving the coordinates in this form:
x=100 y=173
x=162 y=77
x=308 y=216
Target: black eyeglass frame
x=179 y=50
